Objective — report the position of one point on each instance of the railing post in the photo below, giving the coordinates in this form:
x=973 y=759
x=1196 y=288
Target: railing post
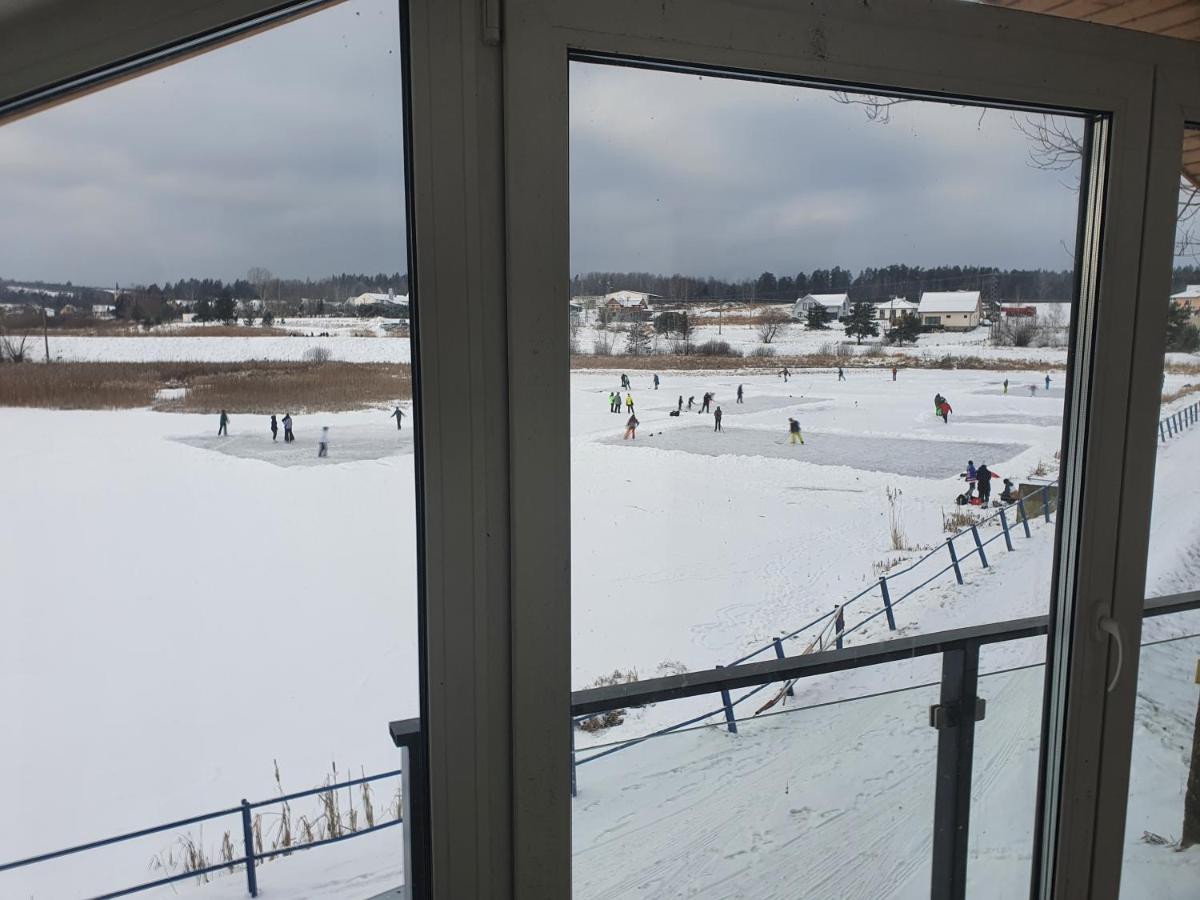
x=839 y=625
x=779 y=652
x=1046 y=501
x=1004 y=527
x=248 y=844
x=730 y=719
x=887 y=603
x=954 y=717
x=1161 y=432
x=979 y=546
x=574 y=786
x=954 y=560
x=1024 y=516
x=1170 y=431
x=406 y=734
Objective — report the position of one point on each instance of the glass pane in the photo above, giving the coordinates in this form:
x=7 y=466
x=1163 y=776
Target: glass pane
x=1005 y=768
x=818 y=376
x=828 y=801
x=1162 y=826
x=1173 y=566
x=210 y=580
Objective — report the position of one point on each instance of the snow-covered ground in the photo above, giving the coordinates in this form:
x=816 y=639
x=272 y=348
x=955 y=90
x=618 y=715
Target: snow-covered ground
x=181 y=611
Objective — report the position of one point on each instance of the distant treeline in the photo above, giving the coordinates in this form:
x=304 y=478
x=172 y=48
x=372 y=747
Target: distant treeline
x=868 y=284
x=333 y=289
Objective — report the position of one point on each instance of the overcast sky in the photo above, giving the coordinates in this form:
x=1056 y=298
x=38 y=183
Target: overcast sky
x=283 y=151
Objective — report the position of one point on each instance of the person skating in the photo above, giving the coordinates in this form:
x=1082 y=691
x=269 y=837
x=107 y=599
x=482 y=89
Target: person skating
x=717 y=419
x=629 y=402
x=938 y=399
x=739 y=396
x=984 y=477
x=1047 y=381
x=223 y=428
x=323 y=448
x=679 y=408
x=274 y=427
x=398 y=415
x=786 y=374
x=631 y=428
x=624 y=382
x=656 y=381
x=893 y=373
x=691 y=402
x=944 y=410
x=706 y=406
x=1006 y=385
x=288 y=437
x=794 y=435
x=841 y=374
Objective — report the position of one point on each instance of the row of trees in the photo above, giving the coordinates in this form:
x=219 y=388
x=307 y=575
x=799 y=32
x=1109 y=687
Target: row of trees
x=869 y=284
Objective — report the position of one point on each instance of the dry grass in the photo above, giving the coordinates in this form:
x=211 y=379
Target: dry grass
x=250 y=387
x=961 y=517
x=612 y=717
x=215 y=331
x=1182 y=392
x=895 y=523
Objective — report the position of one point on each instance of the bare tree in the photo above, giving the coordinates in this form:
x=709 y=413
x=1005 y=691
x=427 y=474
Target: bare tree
x=772 y=323
x=877 y=107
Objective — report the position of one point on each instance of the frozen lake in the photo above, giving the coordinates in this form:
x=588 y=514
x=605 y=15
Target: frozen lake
x=920 y=457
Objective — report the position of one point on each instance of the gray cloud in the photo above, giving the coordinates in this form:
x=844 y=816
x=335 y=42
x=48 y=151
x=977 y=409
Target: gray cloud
x=709 y=176
x=283 y=150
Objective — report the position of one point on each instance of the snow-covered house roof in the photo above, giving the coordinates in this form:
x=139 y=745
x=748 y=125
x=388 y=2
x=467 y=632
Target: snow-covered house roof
x=630 y=298
x=898 y=303
x=829 y=301
x=1191 y=292
x=949 y=302
x=374 y=299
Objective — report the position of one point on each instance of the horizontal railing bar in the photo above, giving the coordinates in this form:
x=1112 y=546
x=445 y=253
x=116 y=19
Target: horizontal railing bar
x=693 y=684
x=92 y=845
x=170 y=879
x=1173 y=603
x=708 y=681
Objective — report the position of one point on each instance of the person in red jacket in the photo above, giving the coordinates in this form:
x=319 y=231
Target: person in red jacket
x=944 y=409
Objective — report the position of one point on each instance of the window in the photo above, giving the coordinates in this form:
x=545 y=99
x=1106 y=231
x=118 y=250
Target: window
x=1163 y=815
x=756 y=476
x=211 y=551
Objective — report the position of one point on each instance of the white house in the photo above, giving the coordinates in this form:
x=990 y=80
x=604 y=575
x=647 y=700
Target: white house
x=838 y=305
x=891 y=310
x=951 y=310
x=391 y=300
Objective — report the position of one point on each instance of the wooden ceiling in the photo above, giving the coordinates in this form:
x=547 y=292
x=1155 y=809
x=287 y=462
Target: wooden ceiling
x=1170 y=18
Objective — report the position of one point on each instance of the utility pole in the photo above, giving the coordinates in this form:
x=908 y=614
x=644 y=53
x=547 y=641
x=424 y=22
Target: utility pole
x=45 y=334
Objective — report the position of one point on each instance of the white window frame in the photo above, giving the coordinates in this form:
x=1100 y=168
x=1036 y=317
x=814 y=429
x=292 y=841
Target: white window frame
x=946 y=48
x=489 y=182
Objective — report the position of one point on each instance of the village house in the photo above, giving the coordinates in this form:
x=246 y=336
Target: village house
x=891 y=310
x=838 y=305
x=1190 y=299
x=950 y=310
x=629 y=306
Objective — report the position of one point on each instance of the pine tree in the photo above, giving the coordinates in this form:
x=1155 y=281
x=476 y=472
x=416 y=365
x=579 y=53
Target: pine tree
x=906 y=330
x=862 y=322
x=818 y=317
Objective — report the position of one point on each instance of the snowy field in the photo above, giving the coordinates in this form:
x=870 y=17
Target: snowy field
x=184 y=610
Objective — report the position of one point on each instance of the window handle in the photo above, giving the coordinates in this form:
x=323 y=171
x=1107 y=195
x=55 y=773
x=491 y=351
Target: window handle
x=1107 y=625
